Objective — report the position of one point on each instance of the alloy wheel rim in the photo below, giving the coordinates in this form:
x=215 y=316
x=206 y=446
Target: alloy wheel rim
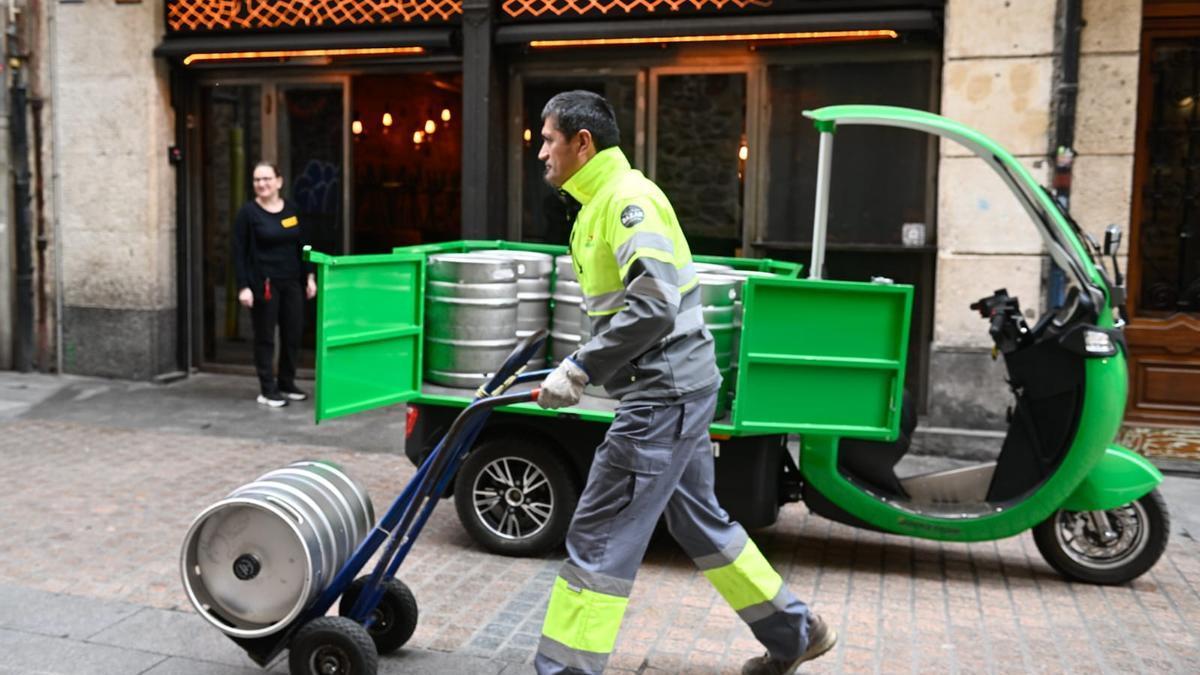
x=513 y=498
x=1078 y=538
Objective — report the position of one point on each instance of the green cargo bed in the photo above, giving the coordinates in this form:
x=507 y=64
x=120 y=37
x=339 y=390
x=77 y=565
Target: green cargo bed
x=816 y=356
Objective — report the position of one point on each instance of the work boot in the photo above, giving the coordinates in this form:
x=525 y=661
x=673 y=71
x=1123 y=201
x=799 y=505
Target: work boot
x=821 y=638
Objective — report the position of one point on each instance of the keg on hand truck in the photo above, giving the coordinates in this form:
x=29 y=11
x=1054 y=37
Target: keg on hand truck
x=265 y=564
x=254 y=561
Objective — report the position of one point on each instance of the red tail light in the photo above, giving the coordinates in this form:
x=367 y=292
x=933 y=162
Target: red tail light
x=411 y=421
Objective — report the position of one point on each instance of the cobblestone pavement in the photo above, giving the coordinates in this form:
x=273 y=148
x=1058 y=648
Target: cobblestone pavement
x=100 y=513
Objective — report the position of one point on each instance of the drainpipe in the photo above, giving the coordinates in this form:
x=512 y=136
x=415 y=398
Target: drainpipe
x=1070 y=25
x=22 y=220
x=42 y=239
x=55 y=181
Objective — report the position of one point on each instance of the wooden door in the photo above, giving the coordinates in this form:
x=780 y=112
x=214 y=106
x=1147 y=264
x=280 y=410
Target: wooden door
x=1164 y=253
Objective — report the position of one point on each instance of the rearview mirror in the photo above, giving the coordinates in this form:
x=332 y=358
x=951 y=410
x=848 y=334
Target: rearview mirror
x=1112 y=239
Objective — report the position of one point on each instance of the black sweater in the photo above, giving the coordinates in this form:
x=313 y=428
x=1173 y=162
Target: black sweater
x=267 y=245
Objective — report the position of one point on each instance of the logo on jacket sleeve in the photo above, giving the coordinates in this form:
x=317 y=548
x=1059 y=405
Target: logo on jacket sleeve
x=632 y=215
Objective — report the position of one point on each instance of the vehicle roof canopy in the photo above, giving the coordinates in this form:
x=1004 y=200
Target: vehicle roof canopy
x=1059 y=236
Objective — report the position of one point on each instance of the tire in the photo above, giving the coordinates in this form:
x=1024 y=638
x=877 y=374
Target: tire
x=332 y=645
x=1069 y=542
x=506 y=517
x=395 y=617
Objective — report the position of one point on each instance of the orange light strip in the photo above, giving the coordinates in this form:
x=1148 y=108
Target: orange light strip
x=285 y=53
x=817 y=35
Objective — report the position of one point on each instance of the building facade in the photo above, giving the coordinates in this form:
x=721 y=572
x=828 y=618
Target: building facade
x=397 y=123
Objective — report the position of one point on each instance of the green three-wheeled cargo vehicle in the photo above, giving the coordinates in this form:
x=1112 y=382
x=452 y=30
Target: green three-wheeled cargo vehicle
x=803 y=356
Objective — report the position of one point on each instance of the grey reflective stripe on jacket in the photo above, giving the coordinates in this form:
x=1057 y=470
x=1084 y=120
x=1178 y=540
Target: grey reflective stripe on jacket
x=657 y=346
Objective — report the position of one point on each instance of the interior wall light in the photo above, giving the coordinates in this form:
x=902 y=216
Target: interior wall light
x=356 y=126
x=289 y=53
x=445 y=114
x=528 y=136
x=743 y=155
x=430 y=127
x=814 y=36
x=387 y=120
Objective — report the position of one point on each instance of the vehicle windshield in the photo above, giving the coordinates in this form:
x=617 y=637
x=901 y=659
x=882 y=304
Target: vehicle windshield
x=1060 y=249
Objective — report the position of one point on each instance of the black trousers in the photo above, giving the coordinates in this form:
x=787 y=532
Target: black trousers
x=285 y=309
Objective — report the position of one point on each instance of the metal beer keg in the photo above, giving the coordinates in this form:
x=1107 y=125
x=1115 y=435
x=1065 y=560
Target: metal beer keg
x=568 y=315
x=252 y=562
x=471 y=308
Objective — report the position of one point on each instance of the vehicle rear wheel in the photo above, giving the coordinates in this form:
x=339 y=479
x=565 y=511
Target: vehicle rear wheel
x=1106 y=547
x=515 y=497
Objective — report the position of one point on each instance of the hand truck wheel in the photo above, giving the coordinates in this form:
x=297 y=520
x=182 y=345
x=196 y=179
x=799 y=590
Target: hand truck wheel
x=394 y=618
x=332 y=645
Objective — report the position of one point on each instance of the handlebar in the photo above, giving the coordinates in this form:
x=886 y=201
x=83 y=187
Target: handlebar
x=1006 y=325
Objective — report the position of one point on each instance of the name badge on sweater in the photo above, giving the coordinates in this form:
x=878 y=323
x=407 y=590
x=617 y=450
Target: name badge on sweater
x=290 y=221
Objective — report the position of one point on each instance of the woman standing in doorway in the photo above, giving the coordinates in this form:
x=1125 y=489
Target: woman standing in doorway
x=267 y=241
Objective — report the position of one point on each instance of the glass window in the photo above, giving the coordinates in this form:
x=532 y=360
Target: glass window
x=701 y=127
x=880 y=175
x=232 y=144
x=1169 y=231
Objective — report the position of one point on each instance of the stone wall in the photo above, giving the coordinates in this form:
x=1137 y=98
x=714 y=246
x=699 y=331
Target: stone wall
x=8 y=252
x=1102 y=191
x=116 y=191
x=999 y=76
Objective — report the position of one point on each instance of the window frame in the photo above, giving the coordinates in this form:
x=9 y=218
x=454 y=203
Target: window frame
x=649 y=65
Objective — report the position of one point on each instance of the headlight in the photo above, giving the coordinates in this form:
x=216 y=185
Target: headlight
x=1097 y=342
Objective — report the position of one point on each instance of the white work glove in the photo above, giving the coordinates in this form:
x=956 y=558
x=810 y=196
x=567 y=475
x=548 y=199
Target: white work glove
x=563 y=387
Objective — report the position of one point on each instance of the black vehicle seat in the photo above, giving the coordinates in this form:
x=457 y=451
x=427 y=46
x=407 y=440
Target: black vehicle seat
x=874 y=462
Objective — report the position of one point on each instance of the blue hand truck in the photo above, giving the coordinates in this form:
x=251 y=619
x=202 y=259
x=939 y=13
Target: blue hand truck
x=377 y=612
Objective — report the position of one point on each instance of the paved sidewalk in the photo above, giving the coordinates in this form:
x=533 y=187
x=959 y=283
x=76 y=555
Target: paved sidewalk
x=93 y=515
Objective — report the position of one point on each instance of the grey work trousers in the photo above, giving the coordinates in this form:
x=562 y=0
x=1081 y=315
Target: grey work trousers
x=657 y=460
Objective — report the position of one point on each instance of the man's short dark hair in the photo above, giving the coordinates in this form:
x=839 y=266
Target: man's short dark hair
x=575 y=110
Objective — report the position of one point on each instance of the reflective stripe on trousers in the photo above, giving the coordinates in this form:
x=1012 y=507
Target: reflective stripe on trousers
x=656 y=459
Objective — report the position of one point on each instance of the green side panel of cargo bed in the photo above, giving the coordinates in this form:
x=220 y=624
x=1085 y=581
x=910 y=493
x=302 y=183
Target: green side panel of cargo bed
x=822 y=357
x=370 y=309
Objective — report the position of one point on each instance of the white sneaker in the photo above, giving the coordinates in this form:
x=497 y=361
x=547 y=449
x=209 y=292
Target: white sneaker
x=274 y=400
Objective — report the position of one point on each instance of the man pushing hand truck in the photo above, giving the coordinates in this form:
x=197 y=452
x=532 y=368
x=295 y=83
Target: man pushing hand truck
x=651 y=351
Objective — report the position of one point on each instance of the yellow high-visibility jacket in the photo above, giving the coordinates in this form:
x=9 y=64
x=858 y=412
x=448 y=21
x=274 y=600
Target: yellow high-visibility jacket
x=639 y=285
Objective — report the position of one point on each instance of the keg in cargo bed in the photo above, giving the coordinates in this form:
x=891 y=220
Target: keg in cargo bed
x=710 y=268
x=533 y=287
x=565 y=334
x=716 y=299
x=717 y=294
x=252 y=562
x=739 y=277
x=533 y=292
x=471 y=310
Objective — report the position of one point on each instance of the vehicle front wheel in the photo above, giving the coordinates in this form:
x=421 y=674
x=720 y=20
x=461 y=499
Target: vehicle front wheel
x=515 y=497
x=1106 y=547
